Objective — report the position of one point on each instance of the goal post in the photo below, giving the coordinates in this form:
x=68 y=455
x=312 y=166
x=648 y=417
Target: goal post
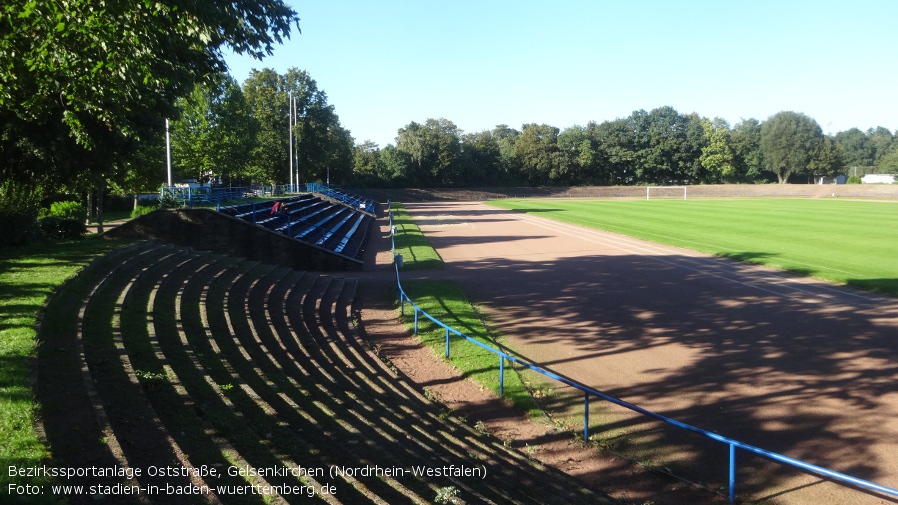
x=665 y=192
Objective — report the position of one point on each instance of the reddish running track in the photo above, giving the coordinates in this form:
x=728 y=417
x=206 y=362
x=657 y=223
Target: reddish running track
x=789 y=364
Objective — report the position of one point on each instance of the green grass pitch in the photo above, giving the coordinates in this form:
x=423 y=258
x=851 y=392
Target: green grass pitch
x=850 y=242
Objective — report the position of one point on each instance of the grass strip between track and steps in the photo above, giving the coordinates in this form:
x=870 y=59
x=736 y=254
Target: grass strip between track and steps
x=411 y=244
x=446 y=302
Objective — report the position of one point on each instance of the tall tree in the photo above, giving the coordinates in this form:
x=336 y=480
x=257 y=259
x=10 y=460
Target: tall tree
x=541 y=161
x=617 y=145
x=856 y=148
x=321 y=147
x=880 y=140
x=397 y=166
x=717 y=156
x=746 y=141
x=789 y=141
x=481 y=159
x=107 y=71
x=267 y=95
x=215 y=134
x=829 y=160
x=367 y=166
x=669 y=146
x=434 y=149
x=888 y=163
x=579 y=153
x=509 y=163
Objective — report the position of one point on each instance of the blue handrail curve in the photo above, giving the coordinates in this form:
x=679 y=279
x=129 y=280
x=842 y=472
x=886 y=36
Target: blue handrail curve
x=733 y=444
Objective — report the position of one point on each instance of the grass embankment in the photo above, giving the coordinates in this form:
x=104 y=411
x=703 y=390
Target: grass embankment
x=411 y=243
x=28 y=275
x=445 y=301
x=848 y=242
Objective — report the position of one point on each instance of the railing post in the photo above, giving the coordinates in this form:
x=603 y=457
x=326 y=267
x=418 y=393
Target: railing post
x=585 y=418
x=416 y=321
x=401 y=304
x=501 y=375
x=447 y=343
x=732 y=473
x=254 y=212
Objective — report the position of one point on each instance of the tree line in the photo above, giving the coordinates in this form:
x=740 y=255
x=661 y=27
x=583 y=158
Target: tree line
x=236 y=135
x=659 y=147
x=86 y=88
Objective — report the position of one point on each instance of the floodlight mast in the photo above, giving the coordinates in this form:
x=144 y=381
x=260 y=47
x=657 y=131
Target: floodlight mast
x=290 y=139
x=296 y=158
x=168 y=152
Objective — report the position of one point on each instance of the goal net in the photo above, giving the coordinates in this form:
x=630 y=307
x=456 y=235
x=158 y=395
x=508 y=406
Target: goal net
x=665 y=192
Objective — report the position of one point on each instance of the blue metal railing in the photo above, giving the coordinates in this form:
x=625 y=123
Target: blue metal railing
x=190 y=196
x=362 y=203
x=838 y=477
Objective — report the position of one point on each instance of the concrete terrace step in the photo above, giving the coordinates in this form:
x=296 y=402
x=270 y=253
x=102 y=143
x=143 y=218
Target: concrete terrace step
x=198 y=360
x=132 y=430
x=74 y=417
x=457 y=443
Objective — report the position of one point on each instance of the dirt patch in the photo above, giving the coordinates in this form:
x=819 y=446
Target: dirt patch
x=788 y=364
x=540 y=439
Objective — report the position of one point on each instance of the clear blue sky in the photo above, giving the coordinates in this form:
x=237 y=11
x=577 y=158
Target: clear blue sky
x=479 y=63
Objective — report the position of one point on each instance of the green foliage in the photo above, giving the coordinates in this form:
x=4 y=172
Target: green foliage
x=18 y=226
x=434 y=150
x=857 y=148
x=86 y=86
x=62 y=228
x=18 y=215
x=541 y=160
x=368 y=169
x=789 y=143
x=68 y=210
x=853 y=180
x=216 y=133
x=27 y=276
x=110 y=65
x=170 y=201
x=448 y=494
x=717 y=156
x=745 y=139
x=661 y=146
x=320 y=143
x=142 y=210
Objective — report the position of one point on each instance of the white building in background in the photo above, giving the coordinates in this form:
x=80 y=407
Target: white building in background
x=878 y=179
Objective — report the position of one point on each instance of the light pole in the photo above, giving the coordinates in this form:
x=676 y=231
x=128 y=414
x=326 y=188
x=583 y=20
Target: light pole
x=296 y=160
x=290 y=138
x=168 y=152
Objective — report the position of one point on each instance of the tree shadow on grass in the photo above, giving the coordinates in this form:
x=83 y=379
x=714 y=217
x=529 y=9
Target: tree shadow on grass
x=884 y=286
x=785 y=363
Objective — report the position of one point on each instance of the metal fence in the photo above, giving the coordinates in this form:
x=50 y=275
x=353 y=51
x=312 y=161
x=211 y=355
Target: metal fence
x=193 y=196
x=589 y=392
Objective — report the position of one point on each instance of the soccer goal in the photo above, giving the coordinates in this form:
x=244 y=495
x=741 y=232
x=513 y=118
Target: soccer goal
x=665 y=192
